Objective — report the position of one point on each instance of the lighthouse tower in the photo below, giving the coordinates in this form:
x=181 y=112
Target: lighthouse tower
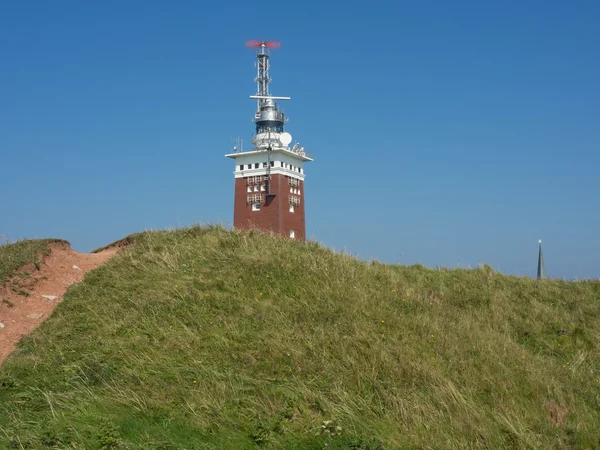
x=269 y=178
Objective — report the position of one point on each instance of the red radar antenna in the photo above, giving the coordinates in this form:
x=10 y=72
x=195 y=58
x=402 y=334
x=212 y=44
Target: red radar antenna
x=272 y=45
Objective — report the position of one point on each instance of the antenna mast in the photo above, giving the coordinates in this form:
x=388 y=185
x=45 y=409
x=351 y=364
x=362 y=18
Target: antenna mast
x=268 y=118
x=262 y=74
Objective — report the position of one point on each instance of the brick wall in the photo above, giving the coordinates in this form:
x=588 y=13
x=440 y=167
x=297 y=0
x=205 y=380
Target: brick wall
x=274 y=214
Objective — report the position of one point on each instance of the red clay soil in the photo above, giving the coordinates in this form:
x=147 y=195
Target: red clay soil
x=23 y=311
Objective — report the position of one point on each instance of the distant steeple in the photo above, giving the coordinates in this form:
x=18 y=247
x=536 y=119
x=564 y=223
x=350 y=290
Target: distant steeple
x=541 y=270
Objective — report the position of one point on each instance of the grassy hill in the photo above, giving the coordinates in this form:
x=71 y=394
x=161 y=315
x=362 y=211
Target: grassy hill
x=204 y=338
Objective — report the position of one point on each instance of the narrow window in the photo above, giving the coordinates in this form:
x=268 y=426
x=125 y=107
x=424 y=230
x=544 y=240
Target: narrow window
x=262 y=187
x=241 y=167
x=249 y=166
x=255 y=188
x=256 y=165
x=291 y=208
x=264 y=164
x=255 y=206
x=272 y=163
x=292 y=234
x=249 y=188
x=291 y=190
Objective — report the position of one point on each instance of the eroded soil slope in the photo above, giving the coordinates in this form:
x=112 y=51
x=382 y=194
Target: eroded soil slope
x=32 y=294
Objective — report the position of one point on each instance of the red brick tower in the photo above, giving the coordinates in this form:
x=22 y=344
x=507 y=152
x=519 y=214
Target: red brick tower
x=269 y=178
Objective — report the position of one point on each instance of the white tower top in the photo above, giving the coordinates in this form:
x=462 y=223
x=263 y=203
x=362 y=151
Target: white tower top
x=272 y=151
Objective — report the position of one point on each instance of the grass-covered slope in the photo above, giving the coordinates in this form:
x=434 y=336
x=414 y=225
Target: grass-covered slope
x=204 y=338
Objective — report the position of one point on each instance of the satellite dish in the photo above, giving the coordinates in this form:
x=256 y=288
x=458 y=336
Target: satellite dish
x=285 y=138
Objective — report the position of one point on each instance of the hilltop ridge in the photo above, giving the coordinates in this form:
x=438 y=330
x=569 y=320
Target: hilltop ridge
x=207 y=338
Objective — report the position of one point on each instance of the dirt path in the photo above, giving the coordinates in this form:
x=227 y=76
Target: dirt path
x=40 y=291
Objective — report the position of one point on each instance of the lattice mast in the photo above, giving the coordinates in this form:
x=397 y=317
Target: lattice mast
x=262 y=74
x=268 y=118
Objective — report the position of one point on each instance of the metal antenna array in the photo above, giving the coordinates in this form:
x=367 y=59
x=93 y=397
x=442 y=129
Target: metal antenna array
x=268 y=118
x=262 y=72
x=262 y=68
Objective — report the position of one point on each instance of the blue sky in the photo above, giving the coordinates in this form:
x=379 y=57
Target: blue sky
x=444 y=133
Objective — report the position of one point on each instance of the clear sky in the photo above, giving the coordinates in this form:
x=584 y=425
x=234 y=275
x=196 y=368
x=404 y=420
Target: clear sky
x=444 y=133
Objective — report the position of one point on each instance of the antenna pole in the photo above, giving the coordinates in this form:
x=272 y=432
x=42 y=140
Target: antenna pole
x=262 y=74
x=269 y=119
x=269 y=167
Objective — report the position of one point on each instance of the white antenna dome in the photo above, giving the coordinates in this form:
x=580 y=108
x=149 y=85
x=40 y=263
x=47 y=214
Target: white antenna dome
x=285 y=138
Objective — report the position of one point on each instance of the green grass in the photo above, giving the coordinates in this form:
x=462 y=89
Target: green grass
x=204 y=338
x=16 y=255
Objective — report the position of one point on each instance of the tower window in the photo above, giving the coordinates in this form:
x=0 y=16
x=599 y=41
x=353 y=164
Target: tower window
x=291 y=208
x=255 y=188
x=249 y=188
x=255 y=206
x=292 y=234
x=262 y=187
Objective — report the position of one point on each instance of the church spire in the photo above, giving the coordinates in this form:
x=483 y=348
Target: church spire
x=541 y=270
